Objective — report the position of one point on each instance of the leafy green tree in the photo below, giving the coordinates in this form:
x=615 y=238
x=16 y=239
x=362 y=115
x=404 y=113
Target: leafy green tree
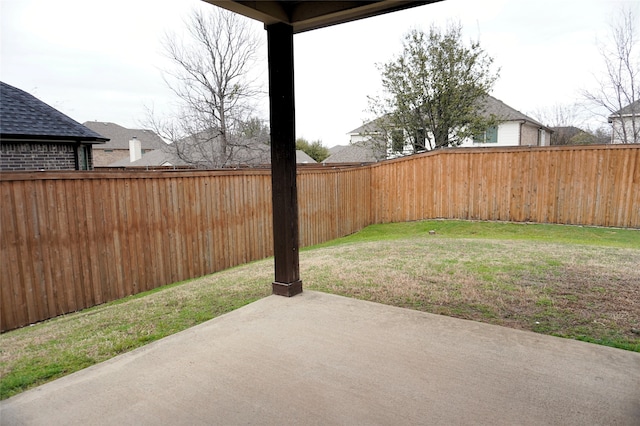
x=433 y=90
x=313 y=149
x=255 y=129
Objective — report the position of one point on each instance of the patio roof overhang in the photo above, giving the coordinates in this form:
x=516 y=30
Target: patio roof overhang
x=310 y=15
x=282 y=19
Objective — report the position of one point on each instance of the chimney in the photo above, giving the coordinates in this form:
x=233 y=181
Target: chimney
x=135 y=150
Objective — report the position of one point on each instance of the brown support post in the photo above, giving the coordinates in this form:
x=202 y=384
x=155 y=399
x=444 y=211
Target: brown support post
x=283 y=161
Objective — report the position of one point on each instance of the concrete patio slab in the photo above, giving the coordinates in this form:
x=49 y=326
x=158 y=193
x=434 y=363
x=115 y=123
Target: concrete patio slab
x=320 y=359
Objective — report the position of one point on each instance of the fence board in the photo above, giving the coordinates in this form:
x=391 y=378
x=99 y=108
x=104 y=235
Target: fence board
x=76 y=239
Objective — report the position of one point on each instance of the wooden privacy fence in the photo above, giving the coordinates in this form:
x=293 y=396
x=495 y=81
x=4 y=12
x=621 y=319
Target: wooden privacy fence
x=588 y=185
x=71 y=240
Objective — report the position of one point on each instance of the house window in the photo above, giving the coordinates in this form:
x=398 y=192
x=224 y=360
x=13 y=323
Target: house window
x=83 y=157
x=420 y=141
x=397 y=141
x=488 y=136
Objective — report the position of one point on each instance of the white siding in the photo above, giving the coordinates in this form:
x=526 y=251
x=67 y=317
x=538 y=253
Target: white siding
x=508 y=135
x=617 y=136
x=355 y=138
x=544 y=138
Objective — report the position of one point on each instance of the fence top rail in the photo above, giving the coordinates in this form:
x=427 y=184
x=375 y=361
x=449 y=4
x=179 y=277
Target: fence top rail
x=497 y=149
x=129 y=174
x=143 y=173
x=126 y=174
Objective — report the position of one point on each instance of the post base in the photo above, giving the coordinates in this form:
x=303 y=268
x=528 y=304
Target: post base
x=287 y=289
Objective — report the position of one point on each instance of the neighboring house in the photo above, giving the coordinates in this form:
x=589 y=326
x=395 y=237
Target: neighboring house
x=201 y=150
x=118 y=148
x=514 y=129
x=301 y=158
x=366 y=132
x=571 y=135
x=36 y=136
x=204 y=150
x=336 y=148
x=563 y=135
x=158 y=157
x=165 y=157
x=625 y=124
x=358 y=152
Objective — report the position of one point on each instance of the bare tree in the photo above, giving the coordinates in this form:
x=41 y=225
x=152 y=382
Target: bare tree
x=564 y=119
x=559 y=115
x=216 y=92
x=618 y=92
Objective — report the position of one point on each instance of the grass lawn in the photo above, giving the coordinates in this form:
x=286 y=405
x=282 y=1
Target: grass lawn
x=575 y=282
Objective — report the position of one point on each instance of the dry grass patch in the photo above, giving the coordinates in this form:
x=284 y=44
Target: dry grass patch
x=588 y=293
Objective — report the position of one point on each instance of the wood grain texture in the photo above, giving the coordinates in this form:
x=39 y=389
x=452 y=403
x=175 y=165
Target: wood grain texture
x=71 y=240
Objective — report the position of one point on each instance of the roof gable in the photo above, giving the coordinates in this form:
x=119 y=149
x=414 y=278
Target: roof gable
x=120 y=136
x=23 y=116
x=493 y=106
x=336 y=148
x=157 y=157
x=489 y=106
x=160 y=157
x=356 y=153
x=374 y=126
x=302 y=157
x=633 y=109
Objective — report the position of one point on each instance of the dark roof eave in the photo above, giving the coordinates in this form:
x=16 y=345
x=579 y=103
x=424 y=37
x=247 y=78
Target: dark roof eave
x=50 y=138
x=534 y=123
x=623 y=116
x=305 y=16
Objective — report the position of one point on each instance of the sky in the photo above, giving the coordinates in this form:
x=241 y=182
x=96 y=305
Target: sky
x=104 y=60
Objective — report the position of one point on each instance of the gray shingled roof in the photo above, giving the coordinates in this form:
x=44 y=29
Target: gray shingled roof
x=504 y=112
x=631 y=109
x=23 y=116
x=302 y=157
x=490 y=106
x=157 y=157
x=370 y=127
x=356 y=153
x=336 y=148
x=120 y=136
x=256 y=154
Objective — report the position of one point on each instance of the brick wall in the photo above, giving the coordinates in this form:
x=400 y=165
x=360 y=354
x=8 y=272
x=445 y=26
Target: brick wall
x=39 y=156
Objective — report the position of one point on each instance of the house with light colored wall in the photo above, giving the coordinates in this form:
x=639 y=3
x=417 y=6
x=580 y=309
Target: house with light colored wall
x=514 y=129
x=625 y=124
x=123 y=143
